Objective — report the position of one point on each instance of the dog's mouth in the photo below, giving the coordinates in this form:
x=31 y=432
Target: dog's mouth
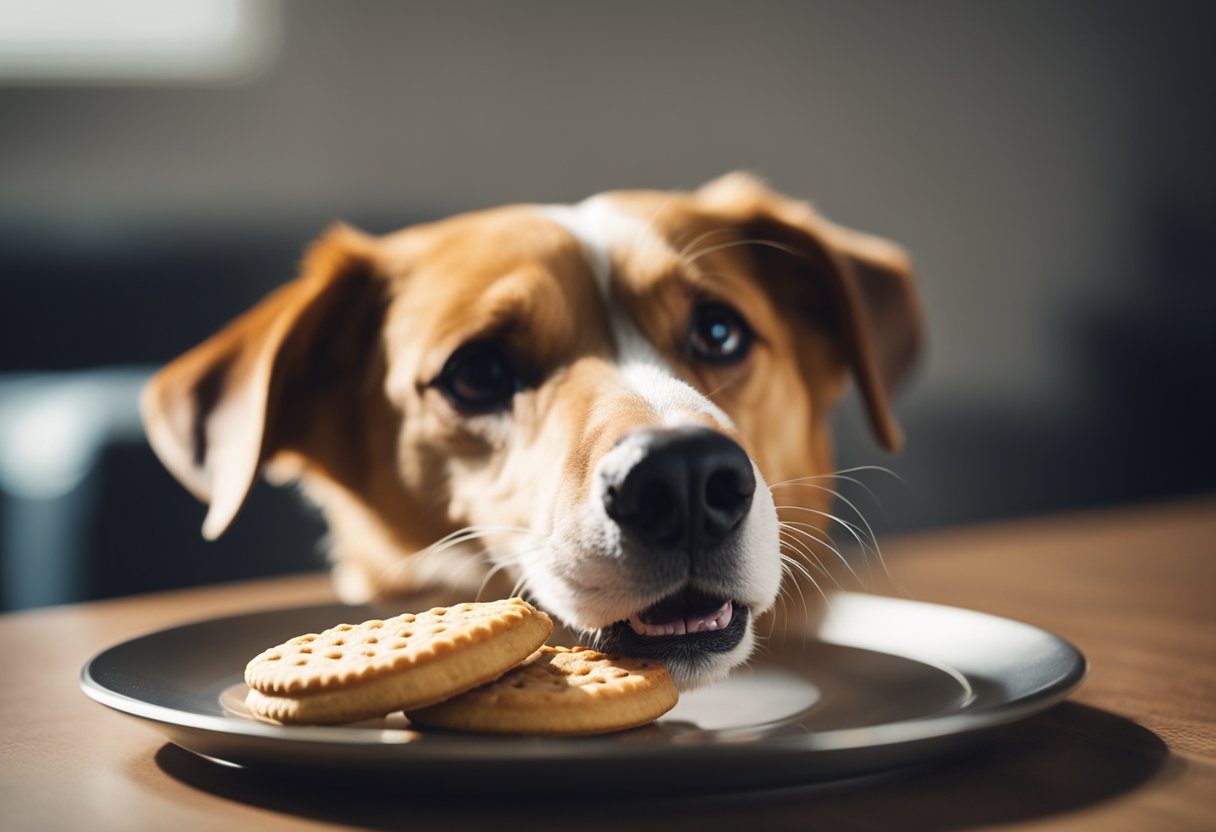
x=688 y=625
x=683 y=613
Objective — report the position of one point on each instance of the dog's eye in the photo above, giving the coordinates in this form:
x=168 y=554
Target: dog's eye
x=479 y=377
x=718 y=333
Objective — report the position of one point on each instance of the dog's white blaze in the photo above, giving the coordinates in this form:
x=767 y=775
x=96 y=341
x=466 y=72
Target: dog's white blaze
x=584 y=223
x=600 y=227
x=585 y=587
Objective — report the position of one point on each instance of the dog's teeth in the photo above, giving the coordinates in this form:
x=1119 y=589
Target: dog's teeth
x=724 y=615
x=717 y=620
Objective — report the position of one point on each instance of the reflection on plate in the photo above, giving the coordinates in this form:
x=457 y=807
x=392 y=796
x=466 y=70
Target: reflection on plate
x=880 y=683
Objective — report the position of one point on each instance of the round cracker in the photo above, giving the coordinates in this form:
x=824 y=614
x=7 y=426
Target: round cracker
x=560 y=691
x=359 y=671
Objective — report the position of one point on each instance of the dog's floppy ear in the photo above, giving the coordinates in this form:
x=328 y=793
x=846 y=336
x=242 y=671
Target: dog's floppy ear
x=217 y=413
x=858 y=286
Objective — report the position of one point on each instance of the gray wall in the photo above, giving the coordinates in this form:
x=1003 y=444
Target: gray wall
x=1014 y=147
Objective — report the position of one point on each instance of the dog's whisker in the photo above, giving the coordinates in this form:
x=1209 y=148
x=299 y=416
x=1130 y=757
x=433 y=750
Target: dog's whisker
x=818 y=589
x=470 y=533
x=808 y=531
x=787 y=574
x=856 y=469
x=837 y=495
x=798 y=567
x=402 y=568
x=805 y=482
x=845 y=476
x=794 y=566
x=504 y=555
x=854 y=530
x=779 y=608
x=797 y=551
x=863 y=537
x=483 y=531
x=423 y=559
x=806 y=554
x=489 y=576
x=750 y=242
x=857 y=531
x=688 y=259
x=519 y=586
x=879 y=469
x=784 y=599
x=788 y=617
x=503 y=558
x=873 y=539
x=502 y=562
x=859 y=581
x=867 y=548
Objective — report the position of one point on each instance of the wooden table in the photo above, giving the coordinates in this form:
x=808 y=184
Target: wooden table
x=1134 y=749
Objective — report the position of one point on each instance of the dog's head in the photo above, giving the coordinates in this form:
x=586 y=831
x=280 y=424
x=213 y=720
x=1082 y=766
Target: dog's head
x=600 y=394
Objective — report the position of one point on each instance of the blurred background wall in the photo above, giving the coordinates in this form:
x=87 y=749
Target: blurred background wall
x=1049 y=165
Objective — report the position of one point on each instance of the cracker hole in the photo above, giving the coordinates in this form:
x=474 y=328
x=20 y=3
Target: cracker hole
x=338 y=642
x=401 y=645
x=273 y=658
x=582 y=671
x=305 y=649
x=437 y=630
x=369 y=652
x=301 y=662
x=333 y=655
x=620 y=674
x=344 y=627
x=372 y=640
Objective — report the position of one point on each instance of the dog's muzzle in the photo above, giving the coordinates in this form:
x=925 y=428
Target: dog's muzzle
x=679 y=507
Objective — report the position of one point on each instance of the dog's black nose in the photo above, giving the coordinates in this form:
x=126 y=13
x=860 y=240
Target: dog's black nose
x=690 y=488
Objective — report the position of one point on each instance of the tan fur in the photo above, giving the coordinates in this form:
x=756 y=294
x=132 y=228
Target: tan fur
x=327 y=379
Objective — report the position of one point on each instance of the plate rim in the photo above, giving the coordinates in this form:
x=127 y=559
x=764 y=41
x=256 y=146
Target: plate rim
x=965 y=721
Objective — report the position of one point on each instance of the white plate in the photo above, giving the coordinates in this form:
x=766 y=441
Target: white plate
x=880 y=683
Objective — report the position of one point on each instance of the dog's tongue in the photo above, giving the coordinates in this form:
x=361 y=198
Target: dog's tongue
x=683 y=613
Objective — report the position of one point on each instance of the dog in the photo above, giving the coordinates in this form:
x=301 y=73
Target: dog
x=603 y=392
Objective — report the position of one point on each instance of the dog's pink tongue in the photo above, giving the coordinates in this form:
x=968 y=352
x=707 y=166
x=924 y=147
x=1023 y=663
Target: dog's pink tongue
x=681 y=624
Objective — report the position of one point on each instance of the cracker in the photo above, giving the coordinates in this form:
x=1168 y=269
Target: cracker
x=560 y=691
x=359 y=671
